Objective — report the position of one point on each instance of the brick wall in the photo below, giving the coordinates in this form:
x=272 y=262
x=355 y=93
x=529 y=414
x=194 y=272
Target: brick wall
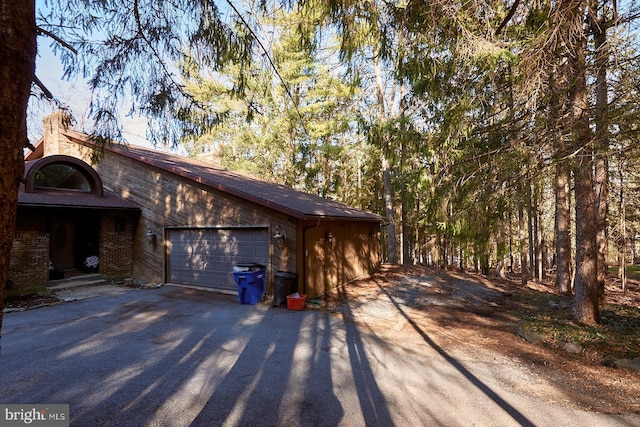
x=29 y=260
x=116 y=244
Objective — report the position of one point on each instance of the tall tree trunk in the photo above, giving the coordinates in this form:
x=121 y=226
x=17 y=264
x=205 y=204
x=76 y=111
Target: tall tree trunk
x=601 y=145
x=587 y=295
x=586 y=299
x=563 y=229
x=442 y=262
x=405 y=227
x=522 y=233
x=501 y=247
x=557 y=105
x=404 y=196
x=388 y=204
x=539 y=241
x=386 y=169
x=532 y=247
x=622 y=239
x=537 y=233
x=418 y=241
x=17 y=67
x=511 y=256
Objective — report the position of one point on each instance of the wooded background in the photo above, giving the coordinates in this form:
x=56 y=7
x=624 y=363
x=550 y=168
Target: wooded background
x=493 y=135
x=498 y=137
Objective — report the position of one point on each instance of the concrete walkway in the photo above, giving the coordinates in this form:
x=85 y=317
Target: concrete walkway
x=181 y=357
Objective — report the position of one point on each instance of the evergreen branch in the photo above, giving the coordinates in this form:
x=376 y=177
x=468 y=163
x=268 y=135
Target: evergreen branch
x=42 y=87
x=140 y=32
x=63 y=43
x=271 y=63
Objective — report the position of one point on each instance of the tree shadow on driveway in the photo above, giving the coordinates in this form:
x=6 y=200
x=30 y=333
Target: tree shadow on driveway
x=294 y=379
x=179 y=357
x=517 y=416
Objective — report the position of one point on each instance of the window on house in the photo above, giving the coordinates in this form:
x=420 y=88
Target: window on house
x=64 y=176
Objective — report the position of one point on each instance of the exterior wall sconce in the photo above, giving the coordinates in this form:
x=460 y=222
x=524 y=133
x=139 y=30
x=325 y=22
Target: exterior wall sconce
x=329 y=237
x=279 y=238
x=151 y=235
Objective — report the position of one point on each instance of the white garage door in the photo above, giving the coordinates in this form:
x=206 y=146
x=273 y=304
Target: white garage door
x=205 y=257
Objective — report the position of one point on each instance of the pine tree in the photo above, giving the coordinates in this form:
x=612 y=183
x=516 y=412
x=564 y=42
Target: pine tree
x=294 y=121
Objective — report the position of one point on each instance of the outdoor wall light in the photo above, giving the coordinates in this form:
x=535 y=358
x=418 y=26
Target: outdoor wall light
x=151 y=235
x=329 y=237
x=279 y=238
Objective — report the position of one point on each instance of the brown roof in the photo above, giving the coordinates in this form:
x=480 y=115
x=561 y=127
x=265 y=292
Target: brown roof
x=280 y=198
x=74 y=199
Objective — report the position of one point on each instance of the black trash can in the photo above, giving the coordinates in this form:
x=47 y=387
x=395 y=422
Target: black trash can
x=250 y=281
x=284 y=283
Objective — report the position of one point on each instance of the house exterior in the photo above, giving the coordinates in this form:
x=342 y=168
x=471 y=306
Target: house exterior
x=65 y=218
x=164 y=218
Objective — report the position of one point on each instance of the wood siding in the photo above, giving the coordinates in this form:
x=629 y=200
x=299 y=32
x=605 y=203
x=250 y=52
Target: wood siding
x=339 y=252
x=170 y=201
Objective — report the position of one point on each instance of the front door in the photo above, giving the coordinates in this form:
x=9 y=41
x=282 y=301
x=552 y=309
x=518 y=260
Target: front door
x=63 y=236
x=74 y=238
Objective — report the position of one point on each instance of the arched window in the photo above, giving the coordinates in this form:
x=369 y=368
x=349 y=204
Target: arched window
x=62 y=173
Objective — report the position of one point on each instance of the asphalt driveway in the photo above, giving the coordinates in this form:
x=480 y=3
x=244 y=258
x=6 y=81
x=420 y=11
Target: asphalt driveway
x=179 y=357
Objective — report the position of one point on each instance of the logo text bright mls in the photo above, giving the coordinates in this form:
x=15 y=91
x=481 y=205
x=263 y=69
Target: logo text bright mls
x=27 y=417
x=37 y=415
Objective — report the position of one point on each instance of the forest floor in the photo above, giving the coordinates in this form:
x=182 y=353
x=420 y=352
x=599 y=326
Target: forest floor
x=531 y=325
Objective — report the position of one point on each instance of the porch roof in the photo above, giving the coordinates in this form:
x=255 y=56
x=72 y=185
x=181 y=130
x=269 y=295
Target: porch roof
x=73 y=199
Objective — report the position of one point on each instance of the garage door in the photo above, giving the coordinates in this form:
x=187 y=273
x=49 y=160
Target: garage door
x=205 y=257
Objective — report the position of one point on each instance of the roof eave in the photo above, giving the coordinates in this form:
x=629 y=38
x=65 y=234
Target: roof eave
x=71 y=206
x=84 y=140
x=344 y=218
x=183 y=174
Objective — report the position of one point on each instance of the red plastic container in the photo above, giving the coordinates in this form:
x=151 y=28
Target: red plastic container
x=295 y=303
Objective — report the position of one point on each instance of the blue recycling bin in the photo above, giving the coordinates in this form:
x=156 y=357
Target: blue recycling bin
x=250 y=281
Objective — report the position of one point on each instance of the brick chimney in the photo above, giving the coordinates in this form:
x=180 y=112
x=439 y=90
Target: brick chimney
x=53 y=126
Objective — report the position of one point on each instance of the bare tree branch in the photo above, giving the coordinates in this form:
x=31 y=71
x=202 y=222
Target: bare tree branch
x=29 y=145
x=507 y=18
